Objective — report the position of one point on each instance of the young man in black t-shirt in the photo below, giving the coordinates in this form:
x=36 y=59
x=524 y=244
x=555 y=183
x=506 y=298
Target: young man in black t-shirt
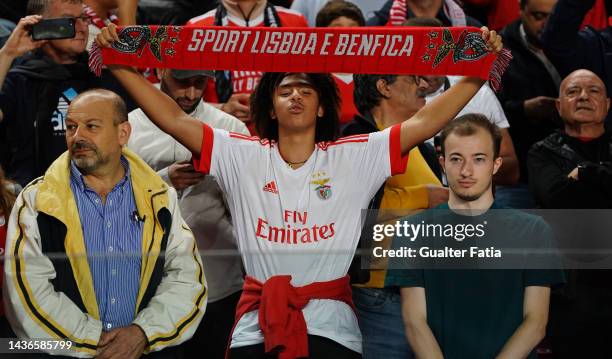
x=476 y=313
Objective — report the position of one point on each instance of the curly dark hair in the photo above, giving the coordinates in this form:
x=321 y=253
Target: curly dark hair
x=328 y=126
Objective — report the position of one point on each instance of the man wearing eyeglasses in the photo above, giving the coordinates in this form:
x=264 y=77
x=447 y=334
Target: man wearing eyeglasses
x=36 y=93
x=383 y=101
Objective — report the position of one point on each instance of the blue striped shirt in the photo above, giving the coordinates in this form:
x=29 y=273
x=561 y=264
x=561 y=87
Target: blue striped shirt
x=113 y=240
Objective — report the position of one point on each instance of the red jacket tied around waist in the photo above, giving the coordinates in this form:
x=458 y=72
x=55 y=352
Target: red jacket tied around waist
x=280 y=310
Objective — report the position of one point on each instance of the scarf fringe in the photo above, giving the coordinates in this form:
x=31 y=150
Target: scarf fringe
x=95 y=59
x=499 y=68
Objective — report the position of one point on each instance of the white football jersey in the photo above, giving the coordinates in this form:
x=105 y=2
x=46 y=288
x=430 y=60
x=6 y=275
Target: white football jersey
x=303 y=222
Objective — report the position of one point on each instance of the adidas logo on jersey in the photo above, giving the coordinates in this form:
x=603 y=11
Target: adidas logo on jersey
x=271 y=187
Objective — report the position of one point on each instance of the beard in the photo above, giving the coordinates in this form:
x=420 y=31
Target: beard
x=88 y=164
x=472 y=197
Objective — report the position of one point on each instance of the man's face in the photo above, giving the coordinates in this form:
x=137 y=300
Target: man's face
x=187 y=93
x=75 y=46
x=92 y=137
x=296 y=103
x=469 y=164
x=534 y=17
x=407 y=94
x=583 y=99
x=433 y=83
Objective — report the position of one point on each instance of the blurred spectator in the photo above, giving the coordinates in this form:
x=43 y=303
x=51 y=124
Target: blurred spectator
x=310 y=8
x=395 y=12
x=572 y=169
x=231 y=89
x=340 y=13
x=570 y=48
x=529 y=93
x=383 y=101
x=201 y=201
x=8 y=192
x=499 y=12
x=35 y=94
x=113 y=268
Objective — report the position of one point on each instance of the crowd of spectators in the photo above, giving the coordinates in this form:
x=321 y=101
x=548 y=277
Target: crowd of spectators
x=551 y=115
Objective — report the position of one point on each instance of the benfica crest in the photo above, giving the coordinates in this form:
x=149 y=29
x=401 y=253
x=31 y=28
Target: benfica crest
x=320 y=180
x=468 y=47
x=134 y=39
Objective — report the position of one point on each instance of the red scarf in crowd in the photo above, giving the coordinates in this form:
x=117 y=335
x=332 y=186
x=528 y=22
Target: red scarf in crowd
x=370 y=50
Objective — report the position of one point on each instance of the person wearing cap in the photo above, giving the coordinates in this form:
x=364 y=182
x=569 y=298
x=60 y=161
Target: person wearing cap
x=201 y=202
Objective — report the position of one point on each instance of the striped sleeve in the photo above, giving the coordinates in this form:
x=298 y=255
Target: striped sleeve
x=34 y=308
x=174 y=313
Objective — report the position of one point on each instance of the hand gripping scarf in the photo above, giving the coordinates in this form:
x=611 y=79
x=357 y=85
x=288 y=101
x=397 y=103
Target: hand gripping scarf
x=374 y=50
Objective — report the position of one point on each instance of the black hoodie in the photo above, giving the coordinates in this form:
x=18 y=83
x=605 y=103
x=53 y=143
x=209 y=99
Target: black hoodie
x=34 y=100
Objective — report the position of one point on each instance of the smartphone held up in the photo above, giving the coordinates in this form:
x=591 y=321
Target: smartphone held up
x=54 y=29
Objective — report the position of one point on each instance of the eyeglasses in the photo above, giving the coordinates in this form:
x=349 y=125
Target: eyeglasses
x=83 y=18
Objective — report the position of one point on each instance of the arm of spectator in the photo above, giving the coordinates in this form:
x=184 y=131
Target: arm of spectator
x=36 y=309
x=173 y=314
x=596 y=175
x=563 y=43
x=533 y=328
x=509 y=172
x=158 y=107
x=551 y=186
x=418 y=333
x=237 y=106
x=127 y=12
x=429 y=120
x=19 y=43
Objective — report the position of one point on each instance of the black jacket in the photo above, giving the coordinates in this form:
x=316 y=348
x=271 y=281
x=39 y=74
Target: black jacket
x=525 y=78
x=571 y=49
x=552 y=159
x=33 y=100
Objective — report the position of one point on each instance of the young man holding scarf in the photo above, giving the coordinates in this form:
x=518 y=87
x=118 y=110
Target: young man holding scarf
x=232 y=88
x=294 y=199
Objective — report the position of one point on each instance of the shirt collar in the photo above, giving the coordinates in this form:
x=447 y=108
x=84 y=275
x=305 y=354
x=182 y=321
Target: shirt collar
x=78 y=178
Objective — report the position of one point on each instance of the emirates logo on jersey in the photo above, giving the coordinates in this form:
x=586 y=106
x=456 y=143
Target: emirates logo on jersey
x=270 y=187
x=320 y=180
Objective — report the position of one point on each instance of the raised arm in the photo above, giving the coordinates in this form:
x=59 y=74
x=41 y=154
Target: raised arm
x=160 y=108
x=19 y=43
x=435 y=115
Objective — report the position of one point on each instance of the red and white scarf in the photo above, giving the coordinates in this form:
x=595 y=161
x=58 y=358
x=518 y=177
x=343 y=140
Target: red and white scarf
x=373 y=50
x=97 y=20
